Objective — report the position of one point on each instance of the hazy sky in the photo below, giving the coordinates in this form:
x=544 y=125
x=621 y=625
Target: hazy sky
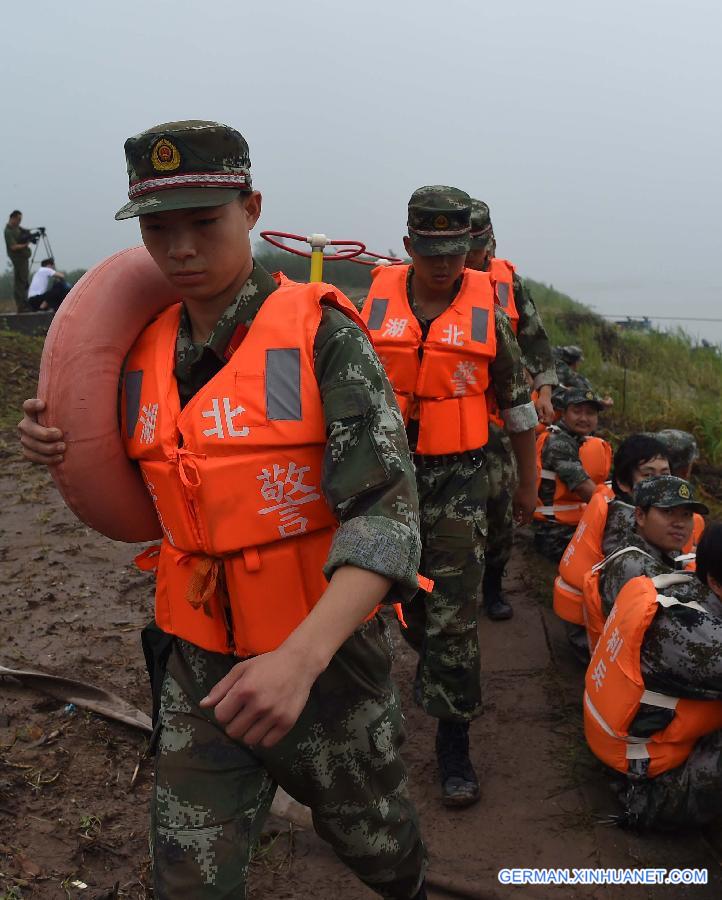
x=593 y=130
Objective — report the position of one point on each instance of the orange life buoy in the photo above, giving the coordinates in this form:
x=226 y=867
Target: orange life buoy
x=89 y=338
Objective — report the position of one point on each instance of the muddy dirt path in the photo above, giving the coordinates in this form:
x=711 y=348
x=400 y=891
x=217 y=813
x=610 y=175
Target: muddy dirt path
x=73 y=823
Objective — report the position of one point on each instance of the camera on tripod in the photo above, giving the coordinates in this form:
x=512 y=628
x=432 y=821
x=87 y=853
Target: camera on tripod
x=31 y=235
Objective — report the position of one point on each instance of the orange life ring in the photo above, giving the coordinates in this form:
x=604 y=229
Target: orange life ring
x=83 y=356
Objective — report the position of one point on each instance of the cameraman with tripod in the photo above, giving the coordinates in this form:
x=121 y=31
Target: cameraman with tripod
x=17 y=242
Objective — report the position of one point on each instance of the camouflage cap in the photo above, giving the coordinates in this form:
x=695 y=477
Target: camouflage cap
x=482 y=231
x=667 y=491
x=573 y=396
x=439 y=221
x=184 y=165
x=570 y=353
x=681 y=447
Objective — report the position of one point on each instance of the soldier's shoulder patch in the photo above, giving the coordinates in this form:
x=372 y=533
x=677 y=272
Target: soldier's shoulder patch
x=165 y=156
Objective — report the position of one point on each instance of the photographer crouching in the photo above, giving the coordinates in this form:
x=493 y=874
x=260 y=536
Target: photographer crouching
x=48 y=288
x=17 y=242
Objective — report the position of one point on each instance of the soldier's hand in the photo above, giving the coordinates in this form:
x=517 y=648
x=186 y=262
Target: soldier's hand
x=40 y=444
x=544 y=407
x=260 y=699
x=525 y=497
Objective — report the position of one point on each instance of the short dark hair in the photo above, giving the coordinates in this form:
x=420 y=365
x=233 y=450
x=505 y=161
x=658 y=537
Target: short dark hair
x=48 y=262
x=709 y=553
x=633 y=452
x=15 y=212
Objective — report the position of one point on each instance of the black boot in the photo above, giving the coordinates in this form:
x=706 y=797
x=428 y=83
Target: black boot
x=495 y=603
x=459 y=784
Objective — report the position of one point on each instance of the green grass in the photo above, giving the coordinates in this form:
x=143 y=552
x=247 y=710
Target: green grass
x=657 y=379
x=19 y=364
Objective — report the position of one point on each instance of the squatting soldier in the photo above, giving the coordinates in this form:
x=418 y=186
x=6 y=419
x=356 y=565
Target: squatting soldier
x=444 y=341
x=538 y=359
x=653 y=698
x=274 y=674
x=567 y=360
x=18 y=250
x=571 y=463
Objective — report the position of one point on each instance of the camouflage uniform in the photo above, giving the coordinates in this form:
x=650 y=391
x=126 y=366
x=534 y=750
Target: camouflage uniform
x=681 y=656
x=620 y=524
x=560 y=454
x=681 y=447
x=342 y=756
x=564 y=358
x=452 y=496
x=20 y=260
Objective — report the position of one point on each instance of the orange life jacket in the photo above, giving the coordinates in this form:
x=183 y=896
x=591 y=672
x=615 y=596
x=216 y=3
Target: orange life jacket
x=593 y=611
x=236 y=476
x=441 y=381
x=583 y=551
x=614 y=687
x=595 y=455
x=501 y=272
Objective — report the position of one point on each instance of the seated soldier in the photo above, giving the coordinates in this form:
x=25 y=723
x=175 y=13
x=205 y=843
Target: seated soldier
x=663 y=513
x=607 y=520
x=682 y=451
x=653 y=698
x=570 y=465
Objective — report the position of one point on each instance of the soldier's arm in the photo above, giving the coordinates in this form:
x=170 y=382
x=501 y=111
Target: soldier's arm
x=512 y=393
x=619 y=571
x=533 y=341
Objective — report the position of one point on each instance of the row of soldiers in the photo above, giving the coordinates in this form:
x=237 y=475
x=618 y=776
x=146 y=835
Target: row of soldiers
x=380 y=473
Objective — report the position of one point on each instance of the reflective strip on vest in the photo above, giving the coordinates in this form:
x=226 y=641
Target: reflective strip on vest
x=479 y=324
x=667 y=579
x=567 y=587
x=652 y=698
x=597 y=567
x=502 y=294
x=685 y=557
x=561 y=507
x=666 y=602
x=547 y=473
x=377 y=314
x=283 y=385
x=133 y=382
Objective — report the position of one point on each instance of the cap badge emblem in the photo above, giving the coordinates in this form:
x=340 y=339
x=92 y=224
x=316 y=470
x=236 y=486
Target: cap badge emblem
x=440 y=223
x=590 y=395
x=164 y=156
x=684 y=492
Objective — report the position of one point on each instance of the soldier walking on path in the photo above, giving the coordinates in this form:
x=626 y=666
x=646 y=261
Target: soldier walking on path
x=276 y=665
x=537 y=357
x=444 y=342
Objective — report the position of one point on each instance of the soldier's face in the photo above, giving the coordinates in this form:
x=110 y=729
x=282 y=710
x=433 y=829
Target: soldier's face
x=581 y=418
x=477 y=259
x=648 y=468
x=436 y=273
x=203 y=252
x=667 y=529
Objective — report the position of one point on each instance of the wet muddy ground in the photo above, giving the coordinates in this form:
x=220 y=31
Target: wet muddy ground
x=73 y=819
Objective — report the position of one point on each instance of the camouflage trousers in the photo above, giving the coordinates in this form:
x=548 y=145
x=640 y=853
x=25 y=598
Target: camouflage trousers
x=551 y=539
x=688 y=796
x=341 y=759
x=442 y=627
x=501 y=469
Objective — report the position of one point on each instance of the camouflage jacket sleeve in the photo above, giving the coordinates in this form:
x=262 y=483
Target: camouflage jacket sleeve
x=533 y=342
x=368 y=477
x=619 y=527
x=507 y=379
x=560 y=455
x=682 y=649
